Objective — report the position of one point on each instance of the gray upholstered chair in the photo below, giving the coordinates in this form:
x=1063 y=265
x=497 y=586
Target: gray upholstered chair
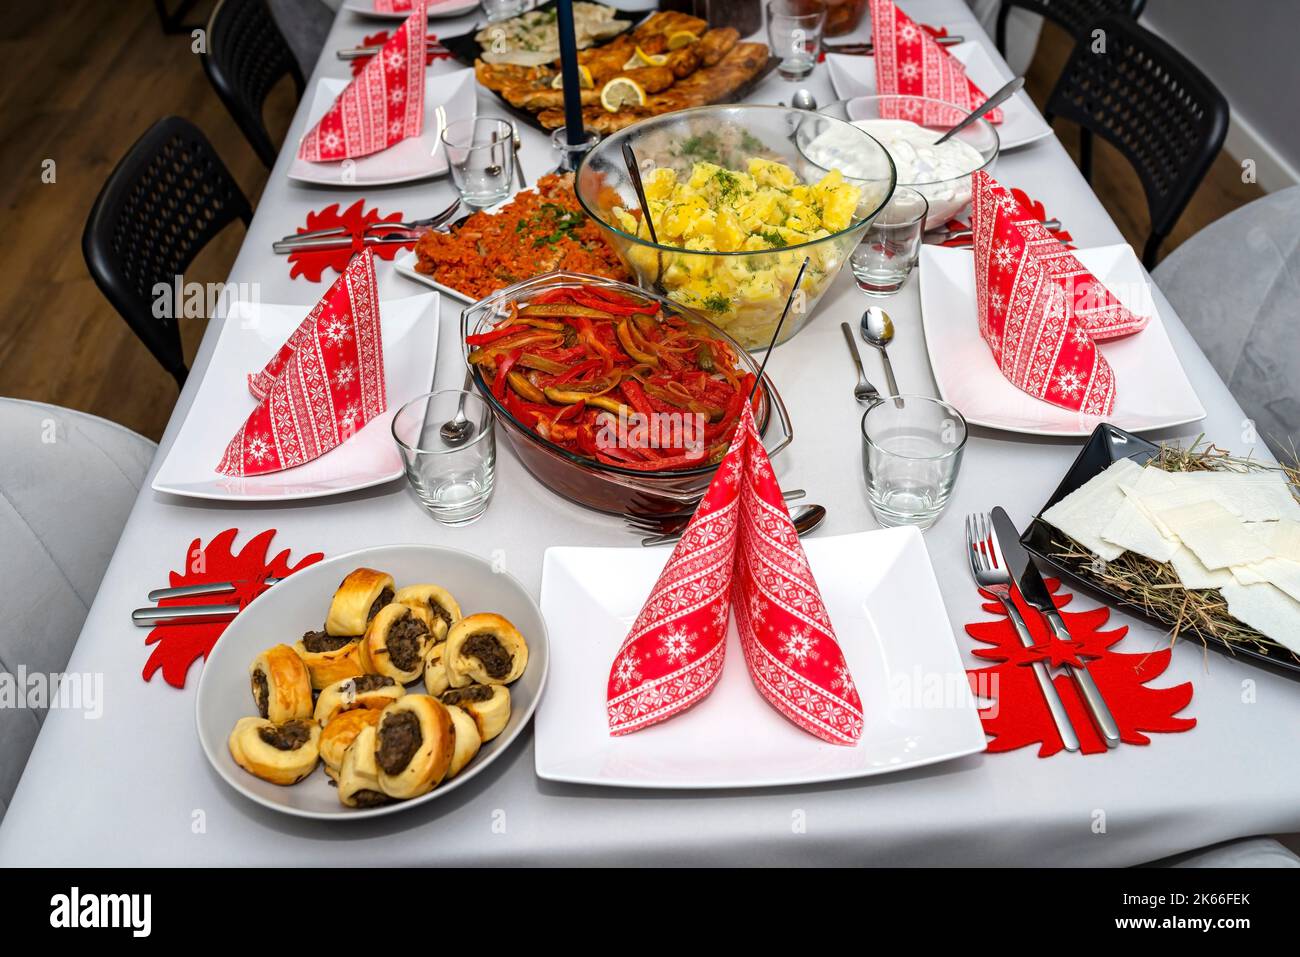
x=67 y=482
x=1235 y=284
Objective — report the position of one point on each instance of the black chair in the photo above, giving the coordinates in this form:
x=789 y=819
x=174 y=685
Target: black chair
x=167 y=198
x=1154 y=106
x=1072 y=15
x=246 y=56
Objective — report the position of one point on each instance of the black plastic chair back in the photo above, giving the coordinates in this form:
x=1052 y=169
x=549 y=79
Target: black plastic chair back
x=167 y=198
x=246 y=56
x=1149 y=101
x=1072 y=15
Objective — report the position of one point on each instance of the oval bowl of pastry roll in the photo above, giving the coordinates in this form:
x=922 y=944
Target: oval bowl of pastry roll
x=372 y=682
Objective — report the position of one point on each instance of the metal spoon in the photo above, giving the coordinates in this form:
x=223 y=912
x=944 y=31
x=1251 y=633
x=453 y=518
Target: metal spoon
x=804 y=100
x=878 y=332
x=864 y=391
x=805 y=519
x=1004 y=93
x=458 y=429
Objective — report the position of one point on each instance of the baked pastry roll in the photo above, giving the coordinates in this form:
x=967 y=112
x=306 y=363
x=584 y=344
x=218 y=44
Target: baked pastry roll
x=357 y=600
x=413 y=746
x=281 y=685
x=488 y=705
x=442 y=608
x=435 y=671
x=282 y=753
x=466 y=741
x=329 y=658
x=359 y=773
x=375 y=692
x=338 y=735
x=486 y=649
x=395 y=642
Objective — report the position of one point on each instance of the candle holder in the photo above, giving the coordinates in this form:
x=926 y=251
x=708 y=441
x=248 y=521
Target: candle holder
x=571 y=154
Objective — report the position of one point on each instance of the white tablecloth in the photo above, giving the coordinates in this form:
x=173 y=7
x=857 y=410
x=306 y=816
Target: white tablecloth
x=134 y=787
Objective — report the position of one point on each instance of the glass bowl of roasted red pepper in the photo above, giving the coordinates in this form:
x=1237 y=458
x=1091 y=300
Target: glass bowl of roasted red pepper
x=612 y=396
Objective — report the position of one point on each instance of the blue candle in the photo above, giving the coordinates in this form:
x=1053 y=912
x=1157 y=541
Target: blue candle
x=569 y=71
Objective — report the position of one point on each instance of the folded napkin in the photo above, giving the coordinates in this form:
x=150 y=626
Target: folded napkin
x=324 y=383
x=1040 y=310
x=397 y=6
x=909 y=61
x=383 y=105
x=740 y=550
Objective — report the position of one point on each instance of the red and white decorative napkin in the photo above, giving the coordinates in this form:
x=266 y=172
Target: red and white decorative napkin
x=383 y=105
x=909 y=61
x=740 y=551
x=323 y=385
x=1032 y=206
x=396 y=6
x=434 y=50
x=1040 y=311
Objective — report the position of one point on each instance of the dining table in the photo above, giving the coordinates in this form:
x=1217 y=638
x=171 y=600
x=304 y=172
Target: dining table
x=131 y=785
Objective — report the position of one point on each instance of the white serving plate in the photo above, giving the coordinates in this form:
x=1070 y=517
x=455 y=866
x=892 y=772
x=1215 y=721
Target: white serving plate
x=880 y=590
x=250 y=335
x=434 y=11
x=1152 y=390
x=1021 y=124
x=447 y=98
x=299 y=604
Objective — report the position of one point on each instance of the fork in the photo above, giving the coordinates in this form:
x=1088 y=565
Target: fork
x=670 y=523
x=432 y=222
x=989 y=570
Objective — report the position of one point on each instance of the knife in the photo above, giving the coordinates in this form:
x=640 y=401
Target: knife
x=1034 y=591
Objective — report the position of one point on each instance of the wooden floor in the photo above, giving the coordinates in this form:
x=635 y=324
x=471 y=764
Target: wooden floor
x=82 y=96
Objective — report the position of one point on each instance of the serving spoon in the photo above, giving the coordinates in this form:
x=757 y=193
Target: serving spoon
x=1004 y=93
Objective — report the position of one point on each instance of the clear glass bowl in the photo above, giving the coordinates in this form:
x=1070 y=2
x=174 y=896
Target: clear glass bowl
x=611 y=488
x=948 y=196
x=742 y=292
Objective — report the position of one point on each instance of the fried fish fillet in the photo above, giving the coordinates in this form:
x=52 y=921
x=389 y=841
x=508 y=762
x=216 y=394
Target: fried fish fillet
x=714 y=84
x=715 y=44
x=665 y=22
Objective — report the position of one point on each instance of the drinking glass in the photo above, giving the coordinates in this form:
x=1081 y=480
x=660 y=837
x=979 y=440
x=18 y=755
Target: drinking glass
x=502 y=9
x=794 y=28
x=452 y=480
x=911 y=454
x=481 y=155
x=883 y=260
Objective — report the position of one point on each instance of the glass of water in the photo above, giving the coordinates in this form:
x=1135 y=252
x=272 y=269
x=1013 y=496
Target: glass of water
x=451 y=478
x=481 y=154
x=502 y=9
x=794 y=28
x=883 y=260
x=911 y=454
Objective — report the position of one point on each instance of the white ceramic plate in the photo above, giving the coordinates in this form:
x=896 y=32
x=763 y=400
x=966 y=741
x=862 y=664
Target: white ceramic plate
x=298 y=604
x=1021 y=122
x=1152 y=391
x=883 y=599
x=250 y=335
x=447 y=98
x=435 y=10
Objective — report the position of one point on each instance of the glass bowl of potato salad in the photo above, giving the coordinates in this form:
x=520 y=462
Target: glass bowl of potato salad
x=737 y=204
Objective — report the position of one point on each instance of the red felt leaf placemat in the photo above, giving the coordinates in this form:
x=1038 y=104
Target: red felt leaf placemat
x=1017 y=716
x=311 y=264
x=178 y=646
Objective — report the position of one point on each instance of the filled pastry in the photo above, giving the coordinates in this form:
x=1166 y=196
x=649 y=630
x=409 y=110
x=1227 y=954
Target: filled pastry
x=281 y=685
x=466 y=740
x=359 y=773
x=486 y=649
x=329 y=658
x=336 y=736
x=435 y=671
x=395 y=642
x=282 y=753
x=357 y=600
x=365 y=691
x=413 y=746
x=488 y=705
x=438 y=601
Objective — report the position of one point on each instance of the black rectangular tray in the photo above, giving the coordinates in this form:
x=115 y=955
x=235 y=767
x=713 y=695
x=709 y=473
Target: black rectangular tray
x=466 y=49
x=1107 y=445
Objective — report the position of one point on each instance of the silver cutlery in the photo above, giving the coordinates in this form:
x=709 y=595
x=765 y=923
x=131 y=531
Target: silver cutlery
x=1034 y=591
x=341 y=242
x=989 y=570
x=414 y=225
x=944 y=235
x=362 y=52
x=148 y=617
x=869 y=49
x=805 y=519
x=667 y=523
x=190 y=591
x=864 y=391
x=1000 y=96
x=878 y=332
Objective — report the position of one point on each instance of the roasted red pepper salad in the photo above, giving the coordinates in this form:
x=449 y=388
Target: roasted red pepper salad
x=614 y=378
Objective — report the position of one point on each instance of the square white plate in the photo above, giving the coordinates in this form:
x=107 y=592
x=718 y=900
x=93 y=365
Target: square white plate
x=447 y=98
x=436 y=9
x=883 y=599
x=250 y=335
x=1151 y=388
x=1021 y=122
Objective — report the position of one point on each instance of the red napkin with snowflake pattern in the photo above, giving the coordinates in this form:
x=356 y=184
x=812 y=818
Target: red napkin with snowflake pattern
x=739 y=552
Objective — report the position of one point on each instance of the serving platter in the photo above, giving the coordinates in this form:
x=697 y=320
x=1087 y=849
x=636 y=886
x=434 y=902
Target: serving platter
x=466 y=49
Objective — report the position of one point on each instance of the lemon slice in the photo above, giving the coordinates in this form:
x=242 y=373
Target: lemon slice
x=641 y=58
x=585 y=82
x=681 y=38
x=620 y=92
